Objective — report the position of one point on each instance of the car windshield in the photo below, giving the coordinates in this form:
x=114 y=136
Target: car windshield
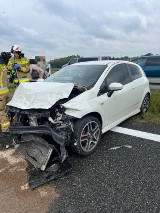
x=86 y=75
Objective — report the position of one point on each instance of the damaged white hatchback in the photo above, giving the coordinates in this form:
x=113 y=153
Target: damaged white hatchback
x=74 y=107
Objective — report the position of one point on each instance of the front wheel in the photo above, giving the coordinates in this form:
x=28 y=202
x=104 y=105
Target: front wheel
x=145 y=104
x=87 y=135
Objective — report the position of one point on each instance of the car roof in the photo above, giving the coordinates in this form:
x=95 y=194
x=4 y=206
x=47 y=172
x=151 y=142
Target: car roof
x=102 y=62
x=150 y=56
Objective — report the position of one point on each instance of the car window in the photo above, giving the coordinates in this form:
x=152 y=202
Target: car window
x=153 y=62
x=135 y=71
x=86 y=75
x=118 y=74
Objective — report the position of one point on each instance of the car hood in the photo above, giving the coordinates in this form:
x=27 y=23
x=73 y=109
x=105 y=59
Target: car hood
x=40 y=95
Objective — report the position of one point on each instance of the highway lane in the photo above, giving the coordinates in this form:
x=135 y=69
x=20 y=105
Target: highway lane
x=123 y=175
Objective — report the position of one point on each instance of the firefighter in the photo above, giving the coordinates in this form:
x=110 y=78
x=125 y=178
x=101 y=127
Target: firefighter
x=18 y=66
x=4 y=97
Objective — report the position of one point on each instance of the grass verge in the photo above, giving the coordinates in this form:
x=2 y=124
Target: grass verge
x=153 y=114
x=11 y=88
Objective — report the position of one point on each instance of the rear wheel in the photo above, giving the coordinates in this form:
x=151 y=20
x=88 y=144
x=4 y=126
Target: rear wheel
x=88 y=134
x=145 y=104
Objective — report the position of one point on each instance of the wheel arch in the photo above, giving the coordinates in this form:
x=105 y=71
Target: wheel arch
x=96 y=115
x=80 y=124
x=142 y=109
x=148 y=93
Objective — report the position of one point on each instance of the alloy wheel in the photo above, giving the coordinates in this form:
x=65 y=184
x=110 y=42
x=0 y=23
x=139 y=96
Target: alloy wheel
x=90 y=136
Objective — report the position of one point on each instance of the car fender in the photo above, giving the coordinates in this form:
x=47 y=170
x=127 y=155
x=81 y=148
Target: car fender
x=146 y=91
x=80 y=113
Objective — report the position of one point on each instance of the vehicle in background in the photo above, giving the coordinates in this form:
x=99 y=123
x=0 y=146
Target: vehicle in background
x=150 y=65
x=84 y=59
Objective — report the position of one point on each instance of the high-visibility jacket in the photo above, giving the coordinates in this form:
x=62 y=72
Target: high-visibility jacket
x=3 y=79
x=23 y=74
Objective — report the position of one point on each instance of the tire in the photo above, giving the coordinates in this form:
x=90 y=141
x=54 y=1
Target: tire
x=145 y=104
x=87 y=132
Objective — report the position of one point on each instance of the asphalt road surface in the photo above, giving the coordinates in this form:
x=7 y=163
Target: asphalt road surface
x=121 y=176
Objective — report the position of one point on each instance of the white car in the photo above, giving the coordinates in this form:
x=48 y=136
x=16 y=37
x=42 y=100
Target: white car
x=79 y=103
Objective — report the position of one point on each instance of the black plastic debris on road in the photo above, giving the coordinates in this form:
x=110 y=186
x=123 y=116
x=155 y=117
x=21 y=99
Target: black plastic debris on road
x=53 y=171
x=37 y=153
x=46 y=161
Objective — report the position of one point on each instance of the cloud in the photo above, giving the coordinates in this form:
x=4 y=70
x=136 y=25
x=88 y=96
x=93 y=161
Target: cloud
x=58 y=28
x=30 y=32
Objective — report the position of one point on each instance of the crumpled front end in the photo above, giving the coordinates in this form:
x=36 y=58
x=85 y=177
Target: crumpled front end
x=41 y=128
x=42 y=137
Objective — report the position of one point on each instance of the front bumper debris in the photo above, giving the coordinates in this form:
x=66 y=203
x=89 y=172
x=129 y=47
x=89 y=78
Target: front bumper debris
x=52 y=172
x=43 y=129
x=48 y=161
x=37 y=152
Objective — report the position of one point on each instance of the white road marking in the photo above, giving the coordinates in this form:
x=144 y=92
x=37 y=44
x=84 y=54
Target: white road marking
x=118 y=147
x=136 y=133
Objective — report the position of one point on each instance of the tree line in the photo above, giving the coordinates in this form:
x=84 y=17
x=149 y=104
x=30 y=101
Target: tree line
x=58 y=63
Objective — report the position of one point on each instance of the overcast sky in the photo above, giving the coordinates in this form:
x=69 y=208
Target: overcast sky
x=59 y=28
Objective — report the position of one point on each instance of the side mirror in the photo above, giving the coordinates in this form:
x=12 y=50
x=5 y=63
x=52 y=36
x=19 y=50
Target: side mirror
x=114 y=87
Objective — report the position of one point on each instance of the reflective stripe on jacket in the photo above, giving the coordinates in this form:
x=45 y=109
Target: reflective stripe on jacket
x=3 y=79
x=5 y=124
x=21 y=80
x=3 y=90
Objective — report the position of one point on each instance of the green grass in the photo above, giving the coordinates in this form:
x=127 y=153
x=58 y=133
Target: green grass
x=11 y=88
x=153 y=114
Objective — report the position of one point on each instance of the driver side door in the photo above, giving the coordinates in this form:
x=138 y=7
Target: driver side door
x=118 y=105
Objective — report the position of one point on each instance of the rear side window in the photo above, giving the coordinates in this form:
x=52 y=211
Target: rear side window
x=135 y=71
x=153 y=62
